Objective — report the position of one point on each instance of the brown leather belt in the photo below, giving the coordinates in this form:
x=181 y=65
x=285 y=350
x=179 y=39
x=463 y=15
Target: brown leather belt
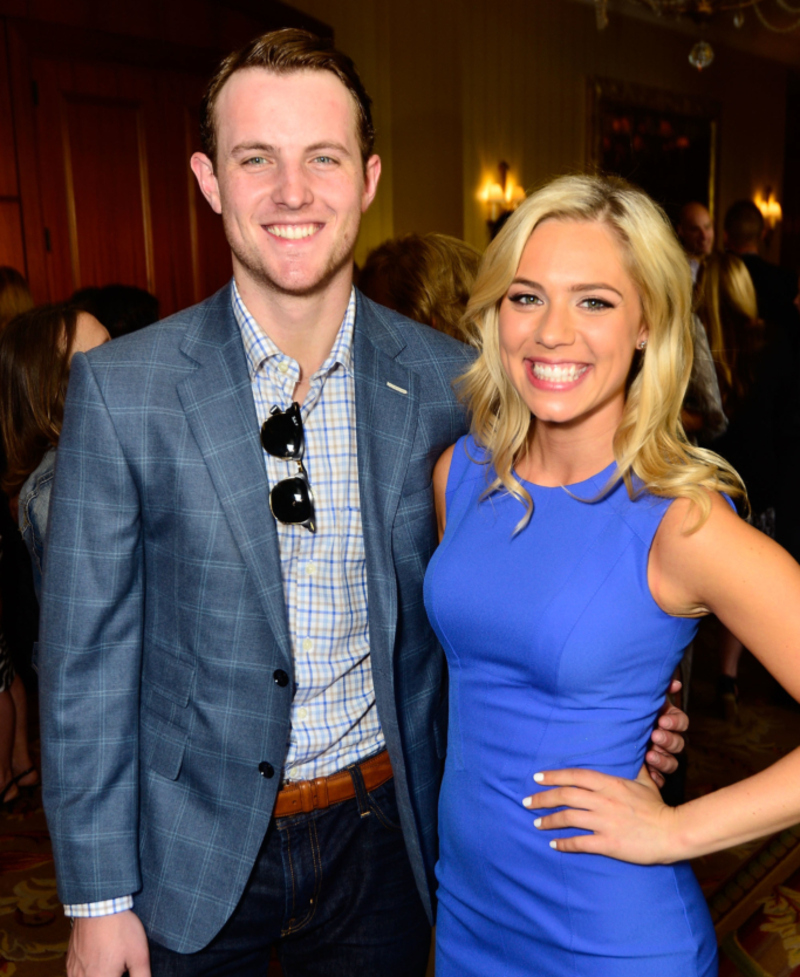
x=303 y=796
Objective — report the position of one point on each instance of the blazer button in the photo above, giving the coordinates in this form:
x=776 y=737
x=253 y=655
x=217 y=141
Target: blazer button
x=281 y=678
x=266 y=769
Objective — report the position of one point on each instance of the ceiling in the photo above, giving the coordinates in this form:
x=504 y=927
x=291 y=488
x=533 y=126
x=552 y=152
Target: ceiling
x=751 y=37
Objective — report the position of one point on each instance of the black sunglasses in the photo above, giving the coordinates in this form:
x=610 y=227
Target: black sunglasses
x=291 y=500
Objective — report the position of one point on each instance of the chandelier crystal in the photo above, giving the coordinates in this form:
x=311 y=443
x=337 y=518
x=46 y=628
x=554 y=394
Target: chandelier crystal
x=771 y=14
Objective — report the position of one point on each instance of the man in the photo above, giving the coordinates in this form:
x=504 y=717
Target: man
x=696 y=231
x=243 y=704
x=776 y=287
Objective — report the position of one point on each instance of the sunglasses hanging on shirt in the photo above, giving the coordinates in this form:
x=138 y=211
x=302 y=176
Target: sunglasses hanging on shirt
x=291 y=500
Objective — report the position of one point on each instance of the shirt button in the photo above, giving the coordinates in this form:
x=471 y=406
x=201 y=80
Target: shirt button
x=283 y=366
x=302 y=713
x=281 y=678
x=308 y=644
x=311 y=569
x=266 y=769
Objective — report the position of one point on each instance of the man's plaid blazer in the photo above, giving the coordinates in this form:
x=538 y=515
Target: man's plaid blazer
x=163 y=617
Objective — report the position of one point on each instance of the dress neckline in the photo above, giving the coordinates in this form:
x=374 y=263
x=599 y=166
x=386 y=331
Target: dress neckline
x=602 y=476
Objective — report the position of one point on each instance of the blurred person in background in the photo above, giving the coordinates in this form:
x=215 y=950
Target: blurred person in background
x=15 y=296
x=426 y=277
x=35 y=351
x=696 y=232
x=776 y=287
x=122 y=309
x=16 y=601
x=727 y=307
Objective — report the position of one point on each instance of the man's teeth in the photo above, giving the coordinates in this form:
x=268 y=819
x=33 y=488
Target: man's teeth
x=558 y=372
x=292 y=231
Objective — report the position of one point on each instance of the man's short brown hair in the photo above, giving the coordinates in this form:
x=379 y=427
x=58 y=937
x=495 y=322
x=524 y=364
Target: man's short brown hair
x=744 y=224
x=284 y=52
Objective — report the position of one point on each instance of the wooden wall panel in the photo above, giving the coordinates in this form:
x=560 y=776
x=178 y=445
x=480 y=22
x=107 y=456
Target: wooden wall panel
x=107 y=189
x=23 y=105
x=118 y=193
x=9 y=186
x=12 y=247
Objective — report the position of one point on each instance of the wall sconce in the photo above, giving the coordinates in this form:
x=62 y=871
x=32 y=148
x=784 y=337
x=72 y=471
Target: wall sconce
x=769 y=207
x=500 y=198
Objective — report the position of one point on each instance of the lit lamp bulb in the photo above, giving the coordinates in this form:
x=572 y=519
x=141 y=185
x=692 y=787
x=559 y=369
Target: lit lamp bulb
x=492 y=195
x=771 y=210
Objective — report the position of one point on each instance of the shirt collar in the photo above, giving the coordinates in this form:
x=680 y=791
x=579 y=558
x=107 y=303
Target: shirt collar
x=258 y=347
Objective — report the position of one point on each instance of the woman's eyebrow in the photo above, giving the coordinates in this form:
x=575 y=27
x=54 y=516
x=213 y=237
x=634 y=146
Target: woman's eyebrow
x=592 y=286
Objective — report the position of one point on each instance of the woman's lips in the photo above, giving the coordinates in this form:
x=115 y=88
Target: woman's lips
x=555 y=376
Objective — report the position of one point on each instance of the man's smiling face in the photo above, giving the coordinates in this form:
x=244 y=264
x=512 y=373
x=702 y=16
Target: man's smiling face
x=289 y=179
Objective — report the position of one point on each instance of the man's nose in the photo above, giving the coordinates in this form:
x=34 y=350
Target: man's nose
x=292 y=187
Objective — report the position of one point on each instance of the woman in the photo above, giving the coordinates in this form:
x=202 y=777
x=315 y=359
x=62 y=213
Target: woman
x=35 y=352
x=16 y=771
x=15 y=296
x=583 y=538
x=728 y=310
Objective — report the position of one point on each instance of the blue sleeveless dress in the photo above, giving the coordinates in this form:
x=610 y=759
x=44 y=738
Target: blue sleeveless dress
x=558 y=657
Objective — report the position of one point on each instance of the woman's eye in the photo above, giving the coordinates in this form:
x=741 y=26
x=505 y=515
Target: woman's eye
x=525 y=298
x=596 y=304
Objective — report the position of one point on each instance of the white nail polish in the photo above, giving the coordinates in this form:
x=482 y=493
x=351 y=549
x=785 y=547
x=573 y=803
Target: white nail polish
x=538 y=777
x=554 y=844
x=537 y=823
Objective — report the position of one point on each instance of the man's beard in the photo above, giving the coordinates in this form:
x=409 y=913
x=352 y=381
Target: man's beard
x=257 y=271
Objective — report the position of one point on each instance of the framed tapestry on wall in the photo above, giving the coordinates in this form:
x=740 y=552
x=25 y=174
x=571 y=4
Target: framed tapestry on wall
x=664 y=142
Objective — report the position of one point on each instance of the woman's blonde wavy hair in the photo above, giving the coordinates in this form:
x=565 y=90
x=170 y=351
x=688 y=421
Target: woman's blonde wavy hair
x=650 y=442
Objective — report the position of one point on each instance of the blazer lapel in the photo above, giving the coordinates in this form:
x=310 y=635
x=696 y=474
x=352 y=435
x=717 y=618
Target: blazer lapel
x=386 y=422
x=218 y=402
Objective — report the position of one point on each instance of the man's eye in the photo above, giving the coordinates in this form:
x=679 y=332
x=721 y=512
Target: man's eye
x=254 y=161
x=324 y=159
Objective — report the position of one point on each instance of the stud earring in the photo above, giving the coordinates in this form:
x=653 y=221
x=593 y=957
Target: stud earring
x=642 y=345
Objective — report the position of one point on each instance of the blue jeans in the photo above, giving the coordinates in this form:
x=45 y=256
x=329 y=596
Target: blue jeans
x=332 y=890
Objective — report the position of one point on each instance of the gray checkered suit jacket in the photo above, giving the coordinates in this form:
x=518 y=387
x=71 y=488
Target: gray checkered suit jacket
x=163 y=616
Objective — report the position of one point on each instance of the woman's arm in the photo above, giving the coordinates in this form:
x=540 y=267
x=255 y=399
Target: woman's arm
x=753 y=586
x=440 y=472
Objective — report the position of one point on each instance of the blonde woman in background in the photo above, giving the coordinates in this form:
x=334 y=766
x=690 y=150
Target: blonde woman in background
x=727 y=308
x=583 y=539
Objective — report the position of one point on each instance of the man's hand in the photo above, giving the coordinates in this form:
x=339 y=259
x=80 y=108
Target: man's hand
x=107 y=946
x=666 y=739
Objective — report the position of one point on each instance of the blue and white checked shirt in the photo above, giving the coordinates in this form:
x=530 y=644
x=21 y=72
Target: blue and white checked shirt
x=334 y=717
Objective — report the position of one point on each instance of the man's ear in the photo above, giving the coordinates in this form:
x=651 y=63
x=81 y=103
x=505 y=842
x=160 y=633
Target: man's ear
x=372 y=174
x=203 y=169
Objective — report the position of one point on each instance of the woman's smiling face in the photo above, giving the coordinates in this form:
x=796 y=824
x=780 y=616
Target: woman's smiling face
x=570 y=323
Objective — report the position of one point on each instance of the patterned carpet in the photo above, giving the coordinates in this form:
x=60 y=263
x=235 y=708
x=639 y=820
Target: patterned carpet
x=753 y=890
